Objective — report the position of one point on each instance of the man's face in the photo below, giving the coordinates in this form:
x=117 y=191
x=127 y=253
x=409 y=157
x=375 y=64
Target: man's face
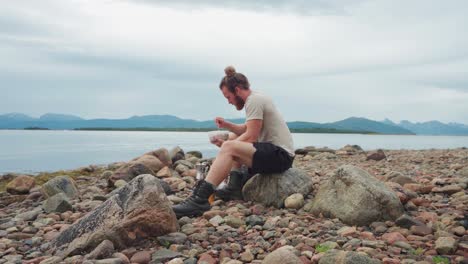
x=233 y=98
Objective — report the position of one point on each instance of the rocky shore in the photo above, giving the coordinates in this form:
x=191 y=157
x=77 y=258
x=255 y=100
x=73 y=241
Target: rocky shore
x=335 y=206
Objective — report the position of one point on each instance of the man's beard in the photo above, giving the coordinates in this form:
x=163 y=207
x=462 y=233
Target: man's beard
x=239 y=103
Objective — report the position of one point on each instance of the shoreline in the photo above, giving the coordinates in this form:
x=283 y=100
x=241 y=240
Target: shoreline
x=430 y=184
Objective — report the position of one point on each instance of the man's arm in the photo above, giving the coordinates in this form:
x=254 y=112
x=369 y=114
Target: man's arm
x=234 y=128
x=252 y=132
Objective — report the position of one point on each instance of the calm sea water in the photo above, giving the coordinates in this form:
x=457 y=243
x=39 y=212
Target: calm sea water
x=36 y=151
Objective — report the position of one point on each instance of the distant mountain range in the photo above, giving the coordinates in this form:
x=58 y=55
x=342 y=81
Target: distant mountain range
x=61 y=121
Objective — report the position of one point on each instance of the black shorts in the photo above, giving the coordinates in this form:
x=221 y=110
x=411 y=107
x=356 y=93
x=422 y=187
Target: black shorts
x=270 y=158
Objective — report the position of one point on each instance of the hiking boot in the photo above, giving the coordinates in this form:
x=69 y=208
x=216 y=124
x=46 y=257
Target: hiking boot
x=233 y=191
x=197 y=203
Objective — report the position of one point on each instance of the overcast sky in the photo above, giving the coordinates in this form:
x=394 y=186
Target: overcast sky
x=320 y=61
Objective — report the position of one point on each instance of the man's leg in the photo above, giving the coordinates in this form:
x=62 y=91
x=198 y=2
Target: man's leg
x=231 y=152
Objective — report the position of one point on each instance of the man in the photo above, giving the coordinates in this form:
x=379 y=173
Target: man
x=263 y=143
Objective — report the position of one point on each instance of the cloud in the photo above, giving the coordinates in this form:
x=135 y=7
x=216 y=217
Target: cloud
x=328 y=59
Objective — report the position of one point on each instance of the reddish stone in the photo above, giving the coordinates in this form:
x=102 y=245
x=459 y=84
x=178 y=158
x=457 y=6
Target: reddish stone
x=142 y=257
x=21 y=185
x=390 y=261
x=421 y=230
x=428 y=217
x=305 y=260
x=190 y=173
x=212 y=213
x=393 y=237
x=206 y=258
x=367 y=235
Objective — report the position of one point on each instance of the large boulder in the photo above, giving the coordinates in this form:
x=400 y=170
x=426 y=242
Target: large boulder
x=273 y=189
x=21 y=185
x=60 y=184
x=356 y=198
x=145 y=164
x=137 y=211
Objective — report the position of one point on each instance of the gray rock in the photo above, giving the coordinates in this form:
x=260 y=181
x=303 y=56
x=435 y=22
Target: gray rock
x=51 y=260
x=137 y=211
x=173 y=238
x=163 y=255
x=377 y=155
x=29 y=215
x=176 y=154
x=195 y=153
x=346 y=257
x=273 y=189
x=60 y=184
x=254 y=220
x=407 y=222
x=294 y=201
x=446 y=245
x=109 y=261
x=283 y=255
x=103 y=250
x=356 y=198
x=58 y=203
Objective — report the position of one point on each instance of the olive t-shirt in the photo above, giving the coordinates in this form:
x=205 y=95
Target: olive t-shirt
x=274 y=129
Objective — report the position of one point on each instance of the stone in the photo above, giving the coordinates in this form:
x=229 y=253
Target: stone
x=119 y=183
x=294 y=201
x=29 y=215
x=60 y=184
x=283 y=255
x=195 y=153
x=145 y=164
x=233 y=221
x=172 y=238
x=273 y=189
x=449 y=189
x=122 y=257
x=142 y=257
x=377 y=155
x=176 y=154
x=163 y=155
x=21 y=185
x=254 y=220
x=399 y=178
x=108 y=261
x=247 y=256
x=356 y=198
x=421 y=230
x=346 y=257
x=407 y=221
x=164 y=172
x=103 y=250
x=164 y=255
x=446 y=245
x=206 y=258
x=58 y=203
x=137 y=211
x=347 y=231
x=393 y=237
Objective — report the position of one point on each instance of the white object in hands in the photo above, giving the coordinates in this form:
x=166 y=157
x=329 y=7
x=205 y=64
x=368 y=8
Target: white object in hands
x=218 y=134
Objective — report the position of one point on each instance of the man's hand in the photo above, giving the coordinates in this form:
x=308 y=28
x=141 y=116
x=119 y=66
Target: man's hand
x=218 y=142
x=220 y=122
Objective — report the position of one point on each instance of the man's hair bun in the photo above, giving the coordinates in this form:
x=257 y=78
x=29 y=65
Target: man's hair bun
x=230 y=71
